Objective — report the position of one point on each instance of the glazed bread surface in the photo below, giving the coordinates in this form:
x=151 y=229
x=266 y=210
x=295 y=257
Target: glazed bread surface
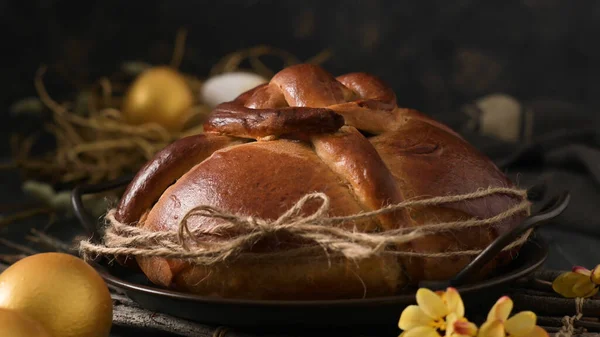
x=306 y=131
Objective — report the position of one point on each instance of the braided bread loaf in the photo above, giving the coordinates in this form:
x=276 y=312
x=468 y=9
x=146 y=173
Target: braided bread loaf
x=307 y=131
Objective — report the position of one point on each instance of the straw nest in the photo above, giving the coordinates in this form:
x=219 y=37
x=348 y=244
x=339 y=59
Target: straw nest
x=93 y=141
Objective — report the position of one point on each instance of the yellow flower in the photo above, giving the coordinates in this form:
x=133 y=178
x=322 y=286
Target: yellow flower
x=498 y=324
x=435 y=313
x=580 y=282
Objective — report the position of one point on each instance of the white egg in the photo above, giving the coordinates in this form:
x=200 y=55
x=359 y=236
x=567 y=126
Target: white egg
x=500 y=117
x=226 y=87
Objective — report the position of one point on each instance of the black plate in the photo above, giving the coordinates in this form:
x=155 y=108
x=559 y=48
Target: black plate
x=382 y=312
x=353 y=314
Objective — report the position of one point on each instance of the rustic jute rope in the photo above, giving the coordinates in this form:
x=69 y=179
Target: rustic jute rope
x=126 y=240
x=568 y=328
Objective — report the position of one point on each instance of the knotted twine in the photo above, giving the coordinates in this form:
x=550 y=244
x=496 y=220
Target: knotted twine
x=568 y=328
x=128 y=240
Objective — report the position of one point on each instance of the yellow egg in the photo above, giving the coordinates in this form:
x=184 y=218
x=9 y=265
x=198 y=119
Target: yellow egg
x=159 y=95
x=16 y=324
x=61 y=291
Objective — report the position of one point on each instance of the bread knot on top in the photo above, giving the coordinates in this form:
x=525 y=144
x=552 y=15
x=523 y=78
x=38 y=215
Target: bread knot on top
x=305 y=100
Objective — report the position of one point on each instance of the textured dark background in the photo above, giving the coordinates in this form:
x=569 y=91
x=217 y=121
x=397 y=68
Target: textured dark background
x=436 y=54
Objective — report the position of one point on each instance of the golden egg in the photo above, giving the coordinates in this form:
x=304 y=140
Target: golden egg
x=61 y=291
x=159 y=95
x=16 y=324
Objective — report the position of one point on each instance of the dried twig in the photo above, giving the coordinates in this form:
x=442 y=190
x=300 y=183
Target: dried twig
x=50 y=241
x=25 y=215
x=18 y=247
x=106 y=91
x=179 y=49
x=8 y=259
x=16 y=206
x=8 y=166
x=321 y=57
x=127 y=313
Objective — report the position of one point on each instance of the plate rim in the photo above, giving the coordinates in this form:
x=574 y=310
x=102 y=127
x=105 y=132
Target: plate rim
x=537 y=242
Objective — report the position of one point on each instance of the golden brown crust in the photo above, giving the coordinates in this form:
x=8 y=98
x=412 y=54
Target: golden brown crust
x=233 y=119
x=410 y=155
x=315 y=279
x=369 y=88
x=374 y=106
x=352 y=157
x=287 y=106
x=284 y=171
x=306 y=85
x=430 y=161
x=162 y=170
x=263 y=97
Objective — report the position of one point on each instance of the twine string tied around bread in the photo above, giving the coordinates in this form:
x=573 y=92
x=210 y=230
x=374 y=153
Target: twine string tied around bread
x=234 y=235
